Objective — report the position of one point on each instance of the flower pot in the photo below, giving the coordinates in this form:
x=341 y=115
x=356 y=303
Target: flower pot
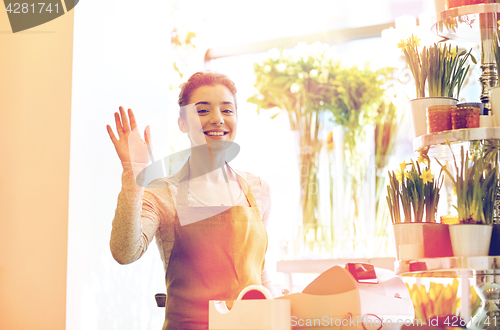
x=495 y=240
x=421 y=240
x=418 y=110
x=439 y=118
x=465 y=117
x=456 y=3
x=469 y=240
x=494 y=94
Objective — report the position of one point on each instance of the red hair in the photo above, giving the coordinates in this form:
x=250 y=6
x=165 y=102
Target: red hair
x=199 y=79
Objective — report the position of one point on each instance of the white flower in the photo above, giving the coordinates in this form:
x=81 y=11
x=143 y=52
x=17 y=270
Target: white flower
x=290 y=70
x=260 y=97
x=301 y=75
x=281 y=67
x=295 y=88
x=301 y=49
x=274 y=54
x=319 y=47
x=313 y=73
x=267 y=69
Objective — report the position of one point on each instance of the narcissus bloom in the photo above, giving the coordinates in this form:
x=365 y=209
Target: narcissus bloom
x=402 y=166
x=427 y=176
x=422 y=159
x=399 y=175
x=414 y=41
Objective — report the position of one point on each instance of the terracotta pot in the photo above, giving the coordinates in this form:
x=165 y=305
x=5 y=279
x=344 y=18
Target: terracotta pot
x=439 y=118
x=456 y=3
x=465 y=117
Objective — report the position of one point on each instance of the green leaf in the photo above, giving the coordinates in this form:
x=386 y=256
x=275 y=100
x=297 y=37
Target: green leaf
x=281 y=80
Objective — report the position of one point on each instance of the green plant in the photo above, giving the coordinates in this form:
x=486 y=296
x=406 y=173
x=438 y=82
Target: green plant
x=475 y=182
x=413 y=191
x=441 y=67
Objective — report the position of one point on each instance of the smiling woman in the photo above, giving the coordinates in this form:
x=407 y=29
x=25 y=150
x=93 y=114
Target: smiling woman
x=210 y=222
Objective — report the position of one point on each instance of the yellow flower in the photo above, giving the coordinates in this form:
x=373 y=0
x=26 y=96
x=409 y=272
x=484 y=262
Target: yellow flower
x=414 y=41
x=402 y=166
x=427 y=176
x=402 y=45
x=329 y=141
x=453 y=53
x=454 y=191
x=407 y=175
x=399 y=175
x=423 y=159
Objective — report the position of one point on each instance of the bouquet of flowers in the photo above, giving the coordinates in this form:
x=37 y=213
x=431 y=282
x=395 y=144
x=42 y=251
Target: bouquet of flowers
x=309 y=84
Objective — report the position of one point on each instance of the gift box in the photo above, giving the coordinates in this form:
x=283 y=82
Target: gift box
x=253 y=310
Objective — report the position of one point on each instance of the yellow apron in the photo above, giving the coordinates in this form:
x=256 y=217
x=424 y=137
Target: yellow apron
x=212 y=259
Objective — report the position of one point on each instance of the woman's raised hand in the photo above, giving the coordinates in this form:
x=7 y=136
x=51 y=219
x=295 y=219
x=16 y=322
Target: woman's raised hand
x=130 y=147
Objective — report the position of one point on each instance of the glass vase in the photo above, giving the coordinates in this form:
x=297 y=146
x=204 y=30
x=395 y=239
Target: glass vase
x=352 y=185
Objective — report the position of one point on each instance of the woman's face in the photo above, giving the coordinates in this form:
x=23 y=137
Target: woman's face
x=210 y=115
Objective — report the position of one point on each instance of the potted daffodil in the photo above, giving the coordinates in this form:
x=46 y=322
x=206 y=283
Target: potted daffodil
x=439 y=72
x=475 y=181
x=412 y=198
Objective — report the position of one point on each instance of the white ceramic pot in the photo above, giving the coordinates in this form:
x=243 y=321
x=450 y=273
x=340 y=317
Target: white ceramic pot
x=418 y=112
x=469 y=240
x=495 y=105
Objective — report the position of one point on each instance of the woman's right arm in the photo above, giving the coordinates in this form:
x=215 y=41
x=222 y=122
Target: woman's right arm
x=136 y=219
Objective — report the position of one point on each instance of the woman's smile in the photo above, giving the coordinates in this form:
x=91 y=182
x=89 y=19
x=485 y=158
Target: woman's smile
x=216 y=134
x=211 y=115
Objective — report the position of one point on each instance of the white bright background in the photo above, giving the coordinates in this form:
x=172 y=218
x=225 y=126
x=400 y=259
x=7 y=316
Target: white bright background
x=121 y=57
